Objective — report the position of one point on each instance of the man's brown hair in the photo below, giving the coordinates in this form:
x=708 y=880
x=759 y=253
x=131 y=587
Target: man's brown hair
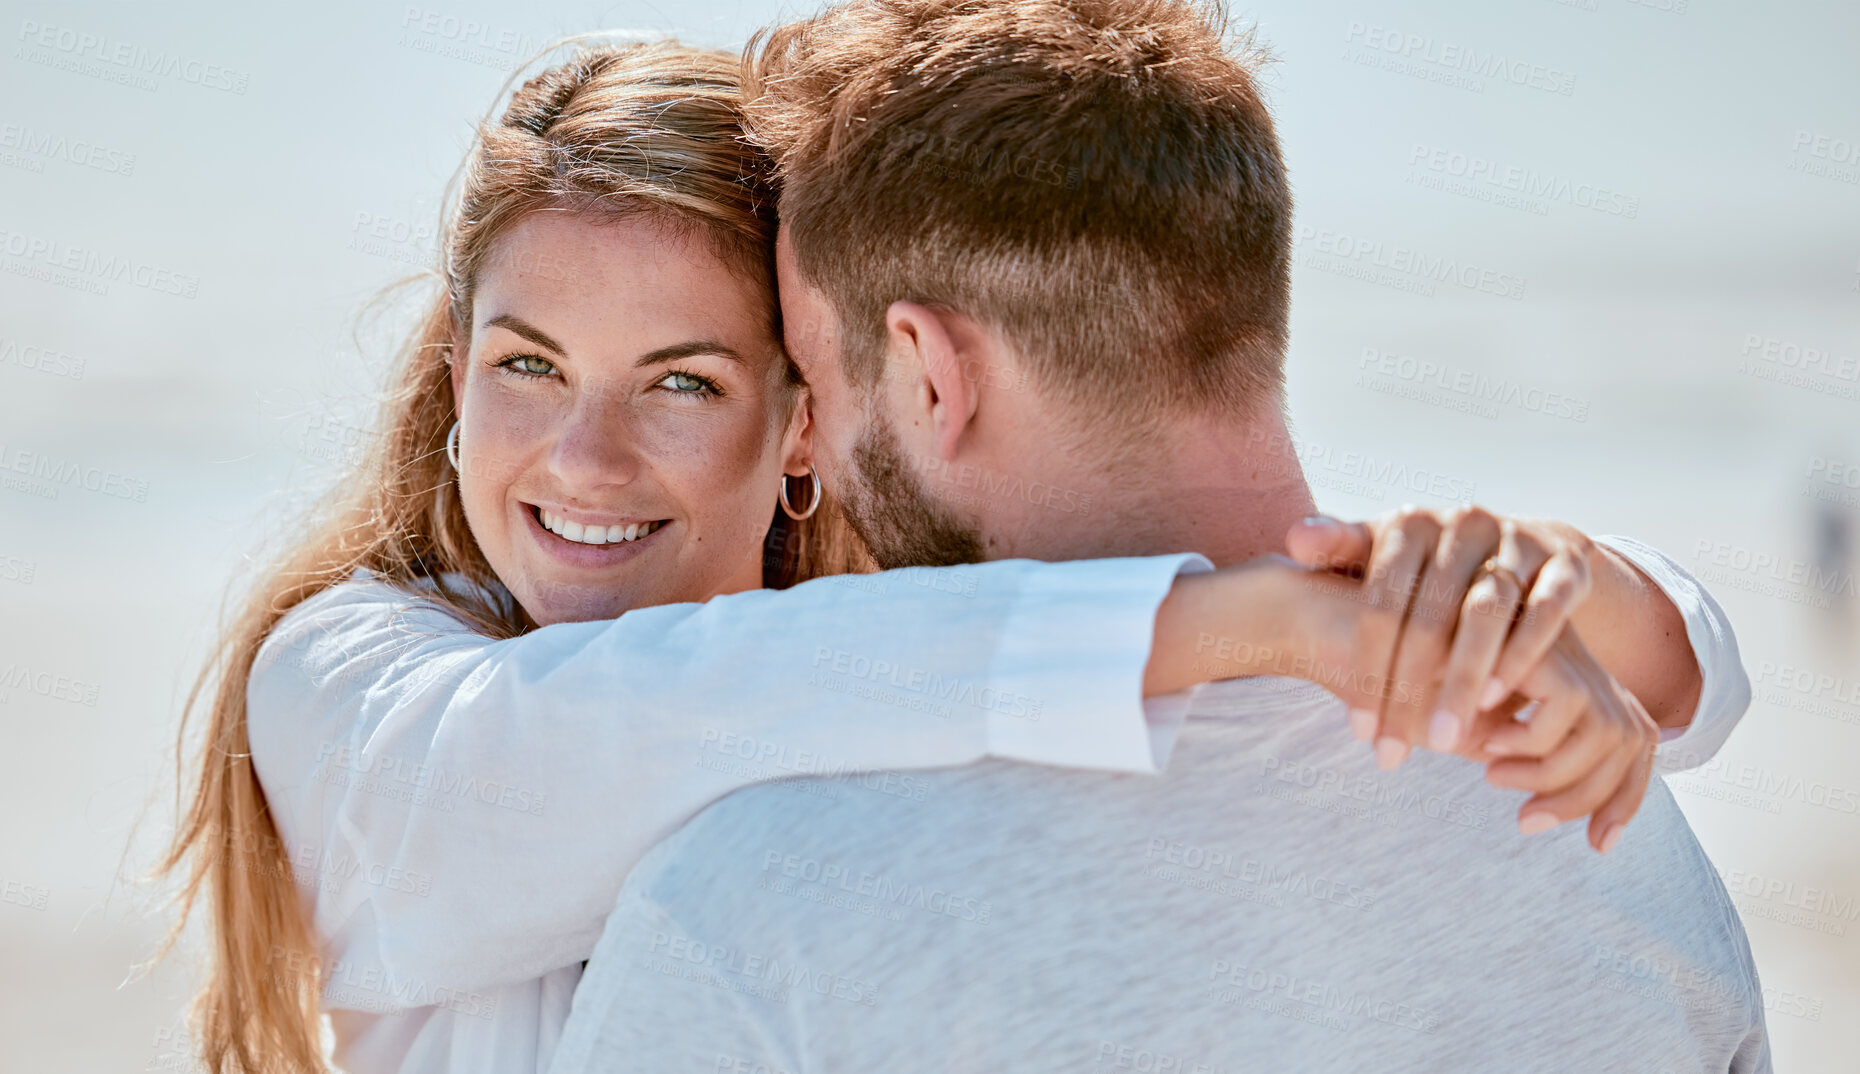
x=1097 y=179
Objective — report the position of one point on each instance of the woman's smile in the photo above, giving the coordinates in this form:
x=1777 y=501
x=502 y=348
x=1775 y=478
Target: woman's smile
x=589 y=541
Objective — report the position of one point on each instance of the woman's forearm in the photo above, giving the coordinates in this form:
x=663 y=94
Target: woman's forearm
x=1638 y=635
x=1227 y=624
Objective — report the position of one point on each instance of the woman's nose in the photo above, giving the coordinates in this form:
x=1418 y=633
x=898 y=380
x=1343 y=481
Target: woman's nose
x=595 y=445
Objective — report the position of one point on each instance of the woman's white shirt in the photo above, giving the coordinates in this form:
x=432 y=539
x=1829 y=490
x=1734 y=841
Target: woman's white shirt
x=460 y=812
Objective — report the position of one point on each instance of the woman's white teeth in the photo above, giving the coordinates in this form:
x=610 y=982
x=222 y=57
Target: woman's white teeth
x=575 y=531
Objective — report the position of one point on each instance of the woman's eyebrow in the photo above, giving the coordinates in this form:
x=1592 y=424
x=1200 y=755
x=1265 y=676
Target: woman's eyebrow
x=686 y=350
x=527 y=330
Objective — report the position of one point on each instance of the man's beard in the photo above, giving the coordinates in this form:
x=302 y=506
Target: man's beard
x=894 y=514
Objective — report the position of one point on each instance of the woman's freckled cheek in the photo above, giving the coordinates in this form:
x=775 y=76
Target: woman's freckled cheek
x=505 y=428
x=717 y=461
x=716 y=450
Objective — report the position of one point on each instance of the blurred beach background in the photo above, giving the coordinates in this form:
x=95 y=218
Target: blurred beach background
x=1595 y=259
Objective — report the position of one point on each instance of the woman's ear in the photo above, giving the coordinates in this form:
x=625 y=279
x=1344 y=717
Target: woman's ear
x=797 y=446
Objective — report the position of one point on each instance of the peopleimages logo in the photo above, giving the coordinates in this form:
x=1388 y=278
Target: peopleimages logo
x=1458 y=58
x=1834 y=472
x=1827 y=156
x=14 y=569
x=1728 y=560
x=87 y=53
x=1809 y=368
x=50 y=685
x=1808 y=682
x=1526 y=182
x=928 y=898
x=77 y=151
x=394 y=239
x=1793 y=355
x=1215 y=863
x=668 y=953
x=1322 y=996
x=1370 y=259
x=43 y=475
x=88 y=270
x=419 y=784
x=1805 y=898
x=1480 y=394
x=40 y=359
x=923 y=684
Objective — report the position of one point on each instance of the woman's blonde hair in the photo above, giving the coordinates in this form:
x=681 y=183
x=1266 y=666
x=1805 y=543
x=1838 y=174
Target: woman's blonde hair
x=616 y=130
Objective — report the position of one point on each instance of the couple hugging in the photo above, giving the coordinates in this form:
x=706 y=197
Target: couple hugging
x=578 y=732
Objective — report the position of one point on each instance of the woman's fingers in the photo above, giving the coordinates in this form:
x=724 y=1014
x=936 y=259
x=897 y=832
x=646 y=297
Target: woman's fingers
x=1330 y=543
x=1489 y=720
x=1473 y=613
x=1542 y=812
x=1605 y=827
x=1394 y=569
x=1433 y=626
x=1587 y=751
x=1564 y=696
x=1420 y=650
x=1561 y=585
x=1485 y=619
x=1564 y=766
x=1324 y=621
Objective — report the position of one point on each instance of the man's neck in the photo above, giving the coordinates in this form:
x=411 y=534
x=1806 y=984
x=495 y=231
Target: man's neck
x=1225 y=488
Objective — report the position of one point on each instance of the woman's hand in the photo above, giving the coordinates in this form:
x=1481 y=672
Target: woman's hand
x=1440 y=640
x=1435 y=613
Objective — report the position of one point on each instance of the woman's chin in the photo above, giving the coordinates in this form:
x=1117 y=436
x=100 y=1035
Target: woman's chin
x=550 y=601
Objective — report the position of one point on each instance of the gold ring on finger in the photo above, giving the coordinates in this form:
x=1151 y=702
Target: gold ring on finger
x=1494 y=567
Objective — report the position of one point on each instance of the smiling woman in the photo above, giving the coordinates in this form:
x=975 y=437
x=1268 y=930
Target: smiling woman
x=602 y=347
x=612 y=415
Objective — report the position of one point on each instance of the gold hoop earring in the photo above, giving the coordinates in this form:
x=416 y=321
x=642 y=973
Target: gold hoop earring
x=813 y=505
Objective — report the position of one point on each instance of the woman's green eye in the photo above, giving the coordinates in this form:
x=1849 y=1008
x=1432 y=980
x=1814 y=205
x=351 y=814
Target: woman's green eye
x=685 y=382
x=534 y=365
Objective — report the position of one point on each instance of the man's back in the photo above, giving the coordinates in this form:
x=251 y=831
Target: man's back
x=1273 y=903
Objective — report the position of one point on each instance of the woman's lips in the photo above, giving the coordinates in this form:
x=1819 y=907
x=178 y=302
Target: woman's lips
x=584 y=555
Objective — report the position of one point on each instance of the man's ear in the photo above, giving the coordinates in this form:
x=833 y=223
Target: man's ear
x=943 y=394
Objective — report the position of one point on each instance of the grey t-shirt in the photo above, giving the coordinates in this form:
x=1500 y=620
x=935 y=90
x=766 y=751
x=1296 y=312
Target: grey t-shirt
x=1273 y=903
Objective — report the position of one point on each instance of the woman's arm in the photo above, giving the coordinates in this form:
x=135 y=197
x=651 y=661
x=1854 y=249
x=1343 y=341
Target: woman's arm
x=1640 y=636
x=1255 y=618
x=1662 y=596
x=464 y=811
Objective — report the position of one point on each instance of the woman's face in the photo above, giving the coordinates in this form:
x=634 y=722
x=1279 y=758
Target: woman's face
x=624 y=420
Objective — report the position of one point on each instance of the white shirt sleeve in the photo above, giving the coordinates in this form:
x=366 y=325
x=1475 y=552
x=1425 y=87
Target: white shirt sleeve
x=461 y=812
x=1725 y=694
